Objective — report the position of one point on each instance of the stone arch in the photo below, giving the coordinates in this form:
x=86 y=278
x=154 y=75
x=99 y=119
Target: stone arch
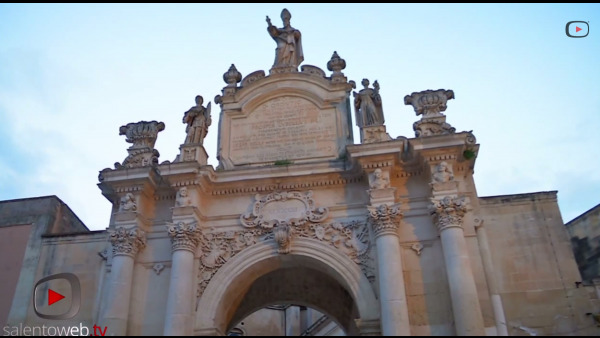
x=224 y=294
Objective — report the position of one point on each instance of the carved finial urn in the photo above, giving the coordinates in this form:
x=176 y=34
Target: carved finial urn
x=232 y=76
x=143 y=135
x=430 y=104
x=336 y=64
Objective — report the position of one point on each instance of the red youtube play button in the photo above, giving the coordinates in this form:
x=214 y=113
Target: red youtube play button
x=577 y=29
x=54 y=297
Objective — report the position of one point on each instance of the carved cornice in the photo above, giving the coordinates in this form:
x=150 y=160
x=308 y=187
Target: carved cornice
x=184 y=236
x=377 y=164
x=290 y=208
x=127 y=242
x=440 y=157
x=385 y=219
x=286 y=186
x=410 y=173
x=448 y=211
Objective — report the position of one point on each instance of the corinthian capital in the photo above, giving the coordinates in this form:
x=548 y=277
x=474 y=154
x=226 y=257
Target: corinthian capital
x=385 y=219
x=127 y=241
x=448 y=211
x=184 y=236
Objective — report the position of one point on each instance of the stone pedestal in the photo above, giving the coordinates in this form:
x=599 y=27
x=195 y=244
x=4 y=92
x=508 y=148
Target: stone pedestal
x=193 y=153
x=373 y=134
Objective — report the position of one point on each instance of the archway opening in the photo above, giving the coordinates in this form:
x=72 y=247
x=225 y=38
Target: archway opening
x=287 y=320
x=294 y=301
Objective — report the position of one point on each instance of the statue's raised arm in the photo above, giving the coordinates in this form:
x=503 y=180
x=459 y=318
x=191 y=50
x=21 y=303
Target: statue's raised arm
x=288 y=53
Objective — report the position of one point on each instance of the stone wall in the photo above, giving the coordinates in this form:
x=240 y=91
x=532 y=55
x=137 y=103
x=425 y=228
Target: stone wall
x=534 y=266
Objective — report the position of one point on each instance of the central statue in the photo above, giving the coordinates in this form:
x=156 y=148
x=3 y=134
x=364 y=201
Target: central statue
x=289 y=43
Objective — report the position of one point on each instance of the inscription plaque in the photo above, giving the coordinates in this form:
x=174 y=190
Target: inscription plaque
x=284 y=128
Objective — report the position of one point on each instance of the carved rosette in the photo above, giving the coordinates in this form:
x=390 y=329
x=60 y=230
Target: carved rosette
x=385 y=219
x=263 y=217
x=184 y=236
x=127 y=242
x=448 y=211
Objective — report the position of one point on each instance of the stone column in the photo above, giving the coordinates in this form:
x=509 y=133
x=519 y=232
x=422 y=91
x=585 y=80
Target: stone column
x=180 y=302
x=125 y=245
x=448 y=212
x=392 y=295
x=488 y=267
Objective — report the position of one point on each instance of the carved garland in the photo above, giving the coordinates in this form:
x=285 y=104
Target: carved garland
x=351 y=238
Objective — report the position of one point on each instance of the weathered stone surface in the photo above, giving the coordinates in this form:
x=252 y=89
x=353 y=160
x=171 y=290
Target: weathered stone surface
x=284 y=128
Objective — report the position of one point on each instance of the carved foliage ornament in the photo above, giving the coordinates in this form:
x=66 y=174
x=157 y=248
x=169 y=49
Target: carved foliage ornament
x=351 y=238
x=127 y=241
x=218 y=248
x=184 y=236
x=433 y=126
x=384 y=218
x=293 y=208
x=448 y=211
x=143 y=135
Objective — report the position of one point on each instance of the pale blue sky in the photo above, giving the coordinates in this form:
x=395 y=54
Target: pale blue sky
x=71 y=75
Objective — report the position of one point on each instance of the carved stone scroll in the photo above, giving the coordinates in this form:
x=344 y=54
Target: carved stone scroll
x=293 y=208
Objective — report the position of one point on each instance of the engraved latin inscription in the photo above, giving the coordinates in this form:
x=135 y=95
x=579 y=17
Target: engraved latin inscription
x=284 y=128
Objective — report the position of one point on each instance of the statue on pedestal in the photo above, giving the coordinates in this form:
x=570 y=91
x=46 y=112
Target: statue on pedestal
x=367 y=105
x=289 y=43
x=198 y=120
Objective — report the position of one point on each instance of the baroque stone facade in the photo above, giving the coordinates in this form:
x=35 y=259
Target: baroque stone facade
x=383 y=237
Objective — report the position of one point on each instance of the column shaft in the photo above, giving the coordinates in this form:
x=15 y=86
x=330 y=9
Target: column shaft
x=488 y=267
x=116 y=311
x=465 y=302
x=181 y=295
x=392 y=295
